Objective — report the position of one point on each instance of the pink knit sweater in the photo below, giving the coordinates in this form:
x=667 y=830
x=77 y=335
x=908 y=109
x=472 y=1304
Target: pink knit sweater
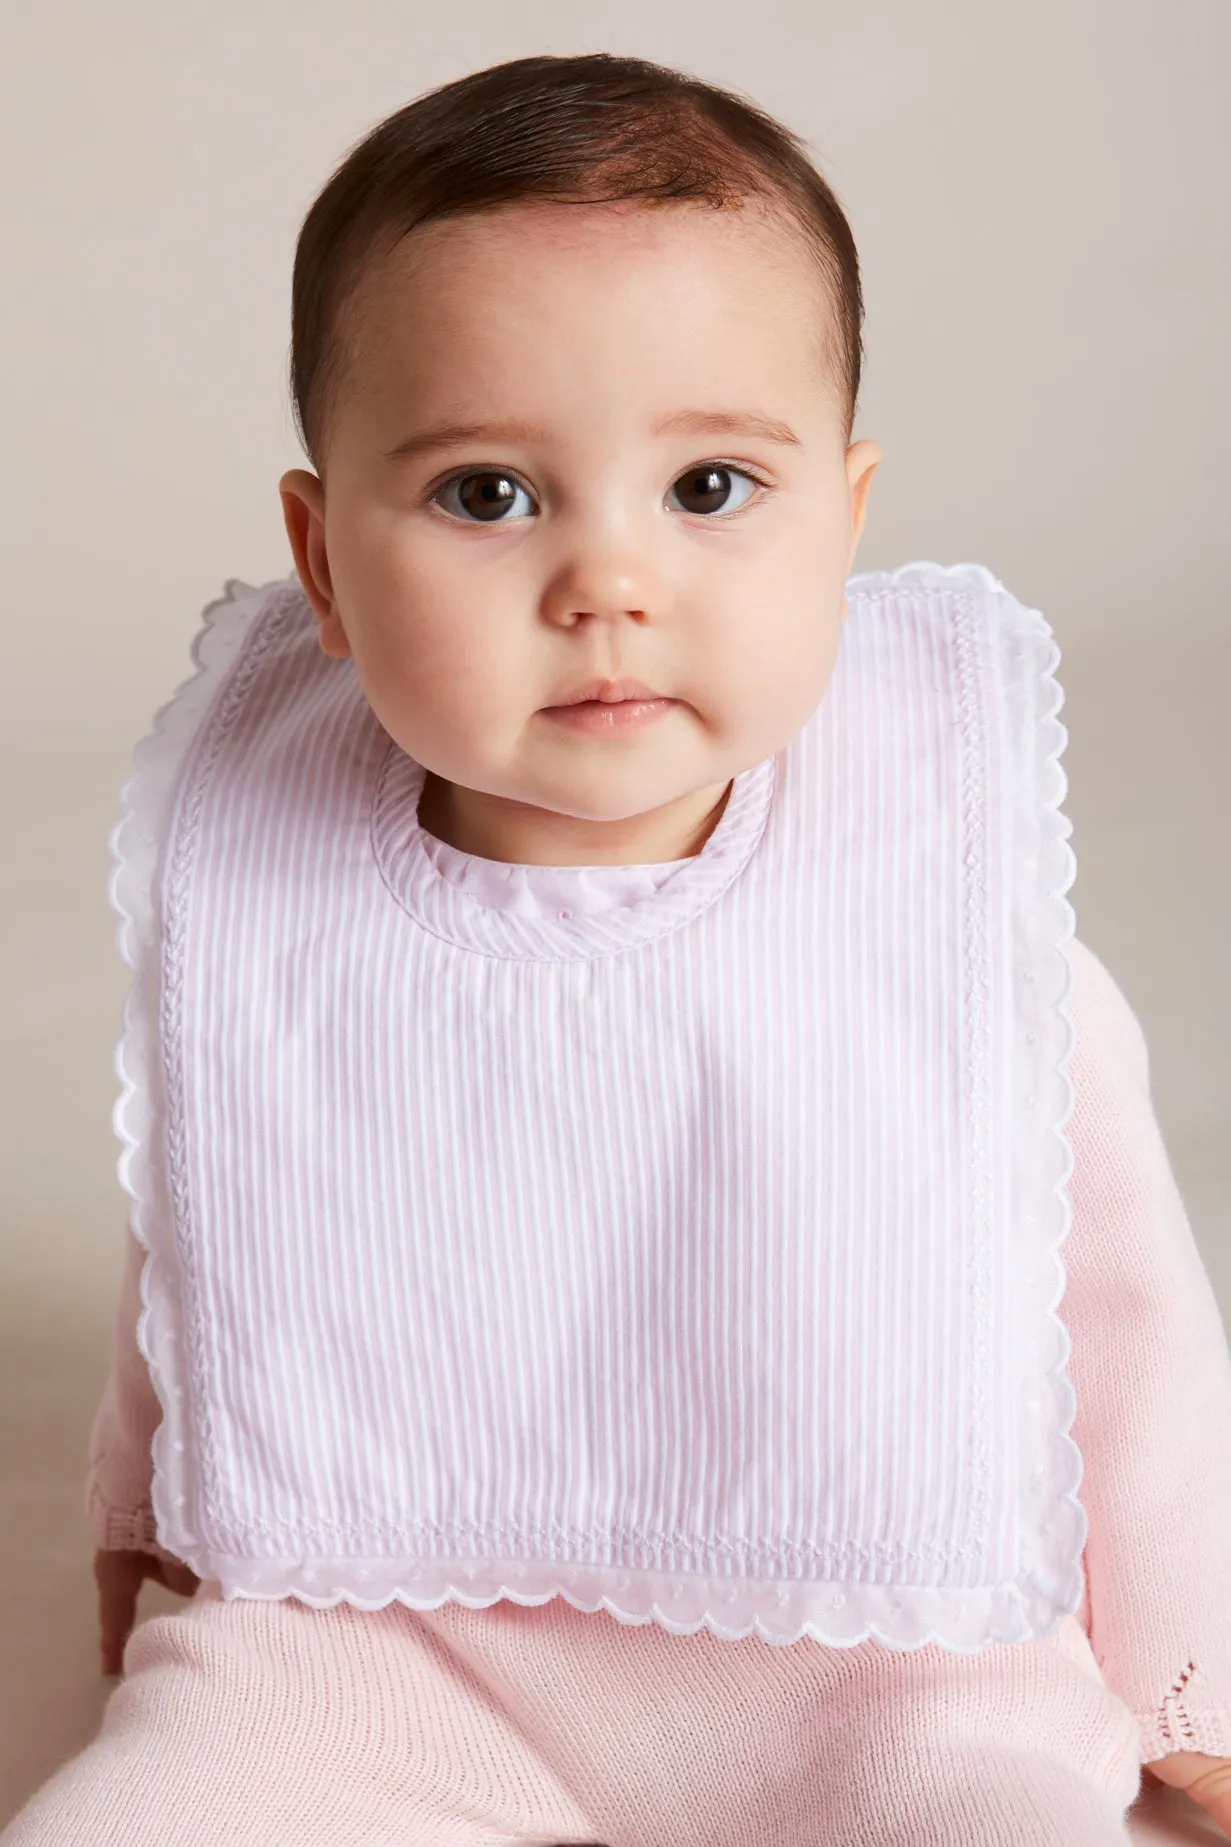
x=1150 y=1363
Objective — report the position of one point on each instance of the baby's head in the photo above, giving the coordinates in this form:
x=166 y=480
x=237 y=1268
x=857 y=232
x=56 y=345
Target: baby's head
x=646 y=302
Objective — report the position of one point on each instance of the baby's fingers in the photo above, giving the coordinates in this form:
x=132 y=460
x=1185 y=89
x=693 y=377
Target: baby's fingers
x=1205 y=1779
x=119 y=1580
x=116 y=1622
x=177 y=1577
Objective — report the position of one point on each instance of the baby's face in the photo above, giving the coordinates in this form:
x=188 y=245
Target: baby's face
x=479 y=580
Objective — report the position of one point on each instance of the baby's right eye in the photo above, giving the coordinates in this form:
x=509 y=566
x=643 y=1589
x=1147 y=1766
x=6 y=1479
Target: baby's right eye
x=491 y=497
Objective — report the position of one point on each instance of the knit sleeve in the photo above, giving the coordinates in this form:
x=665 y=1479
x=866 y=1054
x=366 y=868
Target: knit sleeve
x=1152 y=1374
x=120 y=1458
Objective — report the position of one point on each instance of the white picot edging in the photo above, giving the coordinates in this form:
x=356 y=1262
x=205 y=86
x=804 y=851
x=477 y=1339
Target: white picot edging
x=136 y=846
x=837 y=1615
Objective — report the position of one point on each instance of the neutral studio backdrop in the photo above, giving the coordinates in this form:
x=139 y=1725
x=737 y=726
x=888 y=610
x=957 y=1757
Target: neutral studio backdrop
x=1041 y=201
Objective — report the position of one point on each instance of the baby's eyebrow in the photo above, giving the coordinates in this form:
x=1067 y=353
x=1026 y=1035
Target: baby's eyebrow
x=517 y=430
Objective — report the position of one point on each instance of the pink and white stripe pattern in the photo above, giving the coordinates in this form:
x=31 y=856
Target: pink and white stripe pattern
x=696 y=1256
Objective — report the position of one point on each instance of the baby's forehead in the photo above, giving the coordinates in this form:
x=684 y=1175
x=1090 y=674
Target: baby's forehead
x=688 y=304
x=528 y=232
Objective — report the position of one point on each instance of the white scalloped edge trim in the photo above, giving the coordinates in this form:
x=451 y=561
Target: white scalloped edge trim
x=925 y=573
x=839 y=1615
x=1041 y=1193
x=1041 y=1196
x=144 y=804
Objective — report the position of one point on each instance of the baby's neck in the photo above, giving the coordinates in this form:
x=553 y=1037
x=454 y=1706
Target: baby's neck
x=515 y=833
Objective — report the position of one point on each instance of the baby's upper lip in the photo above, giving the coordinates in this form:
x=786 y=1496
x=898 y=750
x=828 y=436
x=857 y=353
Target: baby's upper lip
x=609 y=691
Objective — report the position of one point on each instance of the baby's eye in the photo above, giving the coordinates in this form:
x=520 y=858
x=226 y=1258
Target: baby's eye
x=487 y=493
x=711 y=482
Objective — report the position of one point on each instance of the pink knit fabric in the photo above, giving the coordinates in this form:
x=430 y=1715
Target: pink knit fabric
x=274 y=1723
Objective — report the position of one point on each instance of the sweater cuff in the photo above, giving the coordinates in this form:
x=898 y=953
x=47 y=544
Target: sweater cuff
x=123 y=1529
x=1183 y=1726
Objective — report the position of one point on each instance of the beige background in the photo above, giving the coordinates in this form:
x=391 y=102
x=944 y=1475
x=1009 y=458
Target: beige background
x=1040 y=198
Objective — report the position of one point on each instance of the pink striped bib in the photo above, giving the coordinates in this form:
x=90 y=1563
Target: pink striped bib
x=695 y=1257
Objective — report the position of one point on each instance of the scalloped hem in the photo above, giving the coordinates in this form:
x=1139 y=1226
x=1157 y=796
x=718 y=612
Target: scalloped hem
x=836 y=1615
x=1043 y=870
x=922 y=574
x=145 y=802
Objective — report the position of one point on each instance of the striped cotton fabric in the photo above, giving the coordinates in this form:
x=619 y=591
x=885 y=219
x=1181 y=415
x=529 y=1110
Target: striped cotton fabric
x=693 y=1256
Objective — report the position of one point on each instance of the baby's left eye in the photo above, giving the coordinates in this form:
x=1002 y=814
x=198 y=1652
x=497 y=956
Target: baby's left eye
x=711 y=482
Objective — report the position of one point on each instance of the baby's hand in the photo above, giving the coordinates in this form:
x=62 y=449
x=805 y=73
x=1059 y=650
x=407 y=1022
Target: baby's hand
x=1207 y=1780
x=119 y=1576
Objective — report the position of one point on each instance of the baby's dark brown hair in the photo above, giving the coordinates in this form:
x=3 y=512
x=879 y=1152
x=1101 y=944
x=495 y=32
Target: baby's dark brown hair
x=576 y=131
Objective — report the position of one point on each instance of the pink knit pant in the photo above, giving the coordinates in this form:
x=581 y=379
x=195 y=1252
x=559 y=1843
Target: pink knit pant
x=249 y=1724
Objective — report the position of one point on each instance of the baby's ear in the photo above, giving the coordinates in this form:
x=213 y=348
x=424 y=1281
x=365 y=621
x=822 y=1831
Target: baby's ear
x=303 y=509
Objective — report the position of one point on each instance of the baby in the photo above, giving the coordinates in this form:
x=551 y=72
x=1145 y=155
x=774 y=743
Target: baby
x=608 y=1078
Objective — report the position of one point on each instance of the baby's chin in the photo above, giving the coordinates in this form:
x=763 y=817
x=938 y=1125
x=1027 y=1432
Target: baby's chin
x=579 y=813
